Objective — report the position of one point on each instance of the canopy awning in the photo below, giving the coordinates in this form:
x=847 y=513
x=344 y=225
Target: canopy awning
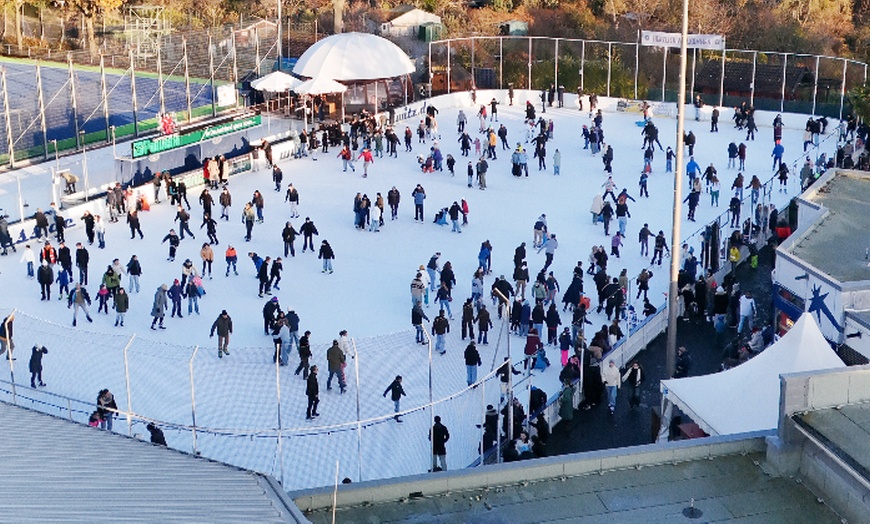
x=746 y=398
x=276 y=82
x=320 y=86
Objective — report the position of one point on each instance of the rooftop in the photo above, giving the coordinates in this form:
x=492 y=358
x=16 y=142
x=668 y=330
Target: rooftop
x=55 y=470
x=725 y=489
x=846 y=431
x=835 y=243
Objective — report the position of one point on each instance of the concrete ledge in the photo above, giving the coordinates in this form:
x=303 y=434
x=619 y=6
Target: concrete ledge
x=380 y=491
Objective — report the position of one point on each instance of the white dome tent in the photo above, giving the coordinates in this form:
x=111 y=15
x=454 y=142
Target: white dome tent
x=355 y=58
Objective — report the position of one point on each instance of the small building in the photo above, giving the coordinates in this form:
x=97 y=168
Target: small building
x=406 y=20
x=514 y=28
x=822 y=268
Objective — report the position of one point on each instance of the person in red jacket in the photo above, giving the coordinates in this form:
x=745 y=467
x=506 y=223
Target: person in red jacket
x=533 y=344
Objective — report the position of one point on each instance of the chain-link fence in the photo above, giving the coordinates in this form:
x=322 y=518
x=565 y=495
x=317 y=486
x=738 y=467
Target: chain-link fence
x=793 y=82
x=245 y=410
x=57 y=102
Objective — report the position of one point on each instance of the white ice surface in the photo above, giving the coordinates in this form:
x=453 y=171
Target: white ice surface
x=368 y=294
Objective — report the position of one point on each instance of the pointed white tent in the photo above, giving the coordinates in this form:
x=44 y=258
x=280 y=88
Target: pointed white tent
x=276 y=82
x=746 y=398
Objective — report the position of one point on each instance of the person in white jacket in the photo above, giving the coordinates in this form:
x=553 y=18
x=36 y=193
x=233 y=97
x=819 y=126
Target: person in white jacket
x=29 y=257
x=375 y=219
x=424 y=277
x=612 y=380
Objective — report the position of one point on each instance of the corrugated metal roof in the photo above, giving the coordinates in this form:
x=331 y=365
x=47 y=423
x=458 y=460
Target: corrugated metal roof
x=55 y=470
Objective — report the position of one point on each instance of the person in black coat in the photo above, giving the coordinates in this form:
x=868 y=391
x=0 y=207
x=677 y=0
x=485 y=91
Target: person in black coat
x=133 y=222
x=396 y=393
x=156 y=434
x=270 y=313
x=312 y=391
x=45 y=277
x=263 y=277
x=439 y=435
x=36 y=365
x=59 y=226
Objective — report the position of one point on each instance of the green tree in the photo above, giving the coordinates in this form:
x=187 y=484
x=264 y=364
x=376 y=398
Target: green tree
x=89 y=10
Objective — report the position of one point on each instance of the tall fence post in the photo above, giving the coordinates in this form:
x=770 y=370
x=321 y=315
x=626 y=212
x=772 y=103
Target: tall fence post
x=664 y=71
x=127 y=379
x=448 y=68
x=752 y=85
x=556 y=64
x=842 y=89
x=256 y=50
x=529 y=80
x=160 y=81
x=72 y=94
x=358 y=418
x=104 y=93
x=187 y=77
x=133 y=95
x=11 y=316
x=211 y=72
x=280 y=449
x=236 y=69
x=722 y=76
x=815 y=84
x=501 y=63
x=10 y=143
x=609 y=64
x=582 y=65
x=41 y=101
x=193 y=400
x=473 y=76
x=784 y=73
x=483 y=422
x=694 y=63
x=636 y=62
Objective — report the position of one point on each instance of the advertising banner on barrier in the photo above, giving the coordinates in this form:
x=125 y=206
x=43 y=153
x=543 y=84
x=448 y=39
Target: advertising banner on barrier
x=662 y=39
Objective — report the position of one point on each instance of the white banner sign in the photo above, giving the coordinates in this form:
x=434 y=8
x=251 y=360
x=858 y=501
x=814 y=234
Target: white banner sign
x=226 y=95
x=660 y=39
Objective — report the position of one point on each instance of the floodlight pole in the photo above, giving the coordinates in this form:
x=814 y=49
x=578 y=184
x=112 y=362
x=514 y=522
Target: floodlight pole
x=678 y=199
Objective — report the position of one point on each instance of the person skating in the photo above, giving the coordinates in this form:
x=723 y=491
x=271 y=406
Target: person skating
x=175 y=294
x=35 y=365
x=223 y=324
x=396 y=393
x=183 y=218
x=79 y=299
x=231 y=257
x=248 y=218
x=308 y=230
x=174 y=242
x=304 y=350
x=327 y=255
x=312 y=391
x=336 y=359
x=158 y=308
x=472 y=362
x=226 y=201
x=134 y=224
x=45 y=278
x=263 y=277
x=417 y=317
x=440 y=328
